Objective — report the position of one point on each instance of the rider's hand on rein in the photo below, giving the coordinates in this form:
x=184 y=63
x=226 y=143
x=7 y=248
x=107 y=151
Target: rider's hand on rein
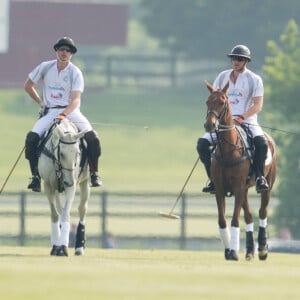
x=59 y=118
x=239 y=119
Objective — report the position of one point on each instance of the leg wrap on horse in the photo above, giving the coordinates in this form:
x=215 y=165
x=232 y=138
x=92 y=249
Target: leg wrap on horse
x=204 y=151
x=93 y=150
x=260 y=155
x=31 y=145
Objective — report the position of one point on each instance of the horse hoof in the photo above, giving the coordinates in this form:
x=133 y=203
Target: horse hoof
x=62 y=251
x=54 y=250
x=79 y=251
x=231 y=255
x=263 y=252
x=249 y=256
x=227 y=253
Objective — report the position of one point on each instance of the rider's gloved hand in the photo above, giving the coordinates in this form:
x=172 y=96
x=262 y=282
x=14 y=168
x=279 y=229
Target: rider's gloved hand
x=239 y=119
x=59 y=118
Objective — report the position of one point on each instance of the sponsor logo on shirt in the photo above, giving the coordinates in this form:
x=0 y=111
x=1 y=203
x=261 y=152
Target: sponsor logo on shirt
x=56 y=96
x=235 y=97
x=56 y=88
x=235 y=94
x=234 y=101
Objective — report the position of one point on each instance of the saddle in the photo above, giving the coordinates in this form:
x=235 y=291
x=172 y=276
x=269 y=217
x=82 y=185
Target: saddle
x=247 y=140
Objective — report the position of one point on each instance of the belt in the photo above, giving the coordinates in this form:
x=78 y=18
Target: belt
x=57 y=106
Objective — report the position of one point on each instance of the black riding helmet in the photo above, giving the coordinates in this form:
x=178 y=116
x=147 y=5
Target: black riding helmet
x=65 y=41
x=240 y=50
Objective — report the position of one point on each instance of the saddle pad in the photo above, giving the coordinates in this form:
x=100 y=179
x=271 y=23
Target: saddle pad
x=244 y=138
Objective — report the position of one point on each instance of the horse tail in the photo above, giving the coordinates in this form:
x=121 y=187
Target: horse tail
x=271 y=176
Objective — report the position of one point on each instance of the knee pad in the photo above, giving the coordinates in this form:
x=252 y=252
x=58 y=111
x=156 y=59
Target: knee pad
x=93 y=143
x=31 y=144
x=204 y=149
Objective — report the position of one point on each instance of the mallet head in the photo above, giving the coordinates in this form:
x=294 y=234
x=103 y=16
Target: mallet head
x=168 y=215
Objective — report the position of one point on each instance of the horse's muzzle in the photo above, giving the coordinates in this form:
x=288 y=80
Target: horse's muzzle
x=210 y=126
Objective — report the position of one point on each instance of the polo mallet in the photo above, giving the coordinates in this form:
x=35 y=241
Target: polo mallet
x=12 y=169
x=170 y=215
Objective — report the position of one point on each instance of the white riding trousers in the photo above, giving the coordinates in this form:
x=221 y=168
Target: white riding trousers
x=75 y=116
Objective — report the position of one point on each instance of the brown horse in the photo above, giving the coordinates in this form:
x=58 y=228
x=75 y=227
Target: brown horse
x=231 y=174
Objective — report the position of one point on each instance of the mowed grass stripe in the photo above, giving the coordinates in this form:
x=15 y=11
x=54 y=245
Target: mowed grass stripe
x=30 y=273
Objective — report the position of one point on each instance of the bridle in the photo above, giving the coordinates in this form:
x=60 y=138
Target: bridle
x=57 y=158
x=219 y=127
x=221 y=116
x=54 y=153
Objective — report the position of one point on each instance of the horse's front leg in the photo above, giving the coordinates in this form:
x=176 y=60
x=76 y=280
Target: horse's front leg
x=235 y=226
x=82 y=209
x=223 y=230
x=55 y=226
x=65 y=220
x=249 y=229
x=262 y=231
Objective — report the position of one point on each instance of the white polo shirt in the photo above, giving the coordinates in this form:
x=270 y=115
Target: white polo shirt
x=57 y=86
x=240 y=94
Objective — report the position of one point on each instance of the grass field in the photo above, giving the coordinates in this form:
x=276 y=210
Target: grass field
x=30 y=273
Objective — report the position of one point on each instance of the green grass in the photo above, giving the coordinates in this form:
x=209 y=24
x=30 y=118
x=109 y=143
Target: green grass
x=30 y=273
x=148 y=138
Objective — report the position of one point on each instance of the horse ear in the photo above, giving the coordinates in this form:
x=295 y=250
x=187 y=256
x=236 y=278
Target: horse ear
x=225 y=88
x=80 y=134
x=60 y=131
x=209 y=86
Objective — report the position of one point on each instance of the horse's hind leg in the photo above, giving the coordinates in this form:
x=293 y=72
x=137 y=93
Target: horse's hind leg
x=262 y=232
x=80 y=239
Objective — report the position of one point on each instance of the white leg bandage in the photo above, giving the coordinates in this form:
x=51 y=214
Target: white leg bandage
x=65 y=231
x=225 y=237
x=250 y=227
x=235 y=238
x=55 y=233
x=263 y=223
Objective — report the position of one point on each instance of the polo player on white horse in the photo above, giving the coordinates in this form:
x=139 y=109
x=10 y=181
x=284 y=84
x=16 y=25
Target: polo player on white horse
x=63 y=85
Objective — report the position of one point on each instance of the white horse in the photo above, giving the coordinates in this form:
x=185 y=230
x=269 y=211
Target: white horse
x=59 y=167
